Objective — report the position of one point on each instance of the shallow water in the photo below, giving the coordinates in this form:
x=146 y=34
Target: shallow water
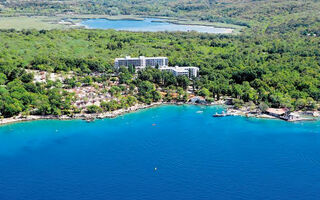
x=149 y=25
x=167 y=152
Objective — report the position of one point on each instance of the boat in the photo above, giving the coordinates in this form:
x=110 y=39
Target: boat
x=88 y=120
x=219 y=115
x=223 y=114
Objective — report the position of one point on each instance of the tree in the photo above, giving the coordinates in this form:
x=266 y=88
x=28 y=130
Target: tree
x=94 y=109
x=156 y=96
x=300 y=103
x=115 y=90
x=237 y=91
x=110 y=105
x=237 y=103
x=204 y=92
x=263 y=106
x=311 y=104
x=26 y=78
x=145 y=87
x=168 y=79
x=11 y=109
x=132 y=69
x=183 y=81
x=125 y=77
x=131 y=100
x=3 y=78
x=87 y=80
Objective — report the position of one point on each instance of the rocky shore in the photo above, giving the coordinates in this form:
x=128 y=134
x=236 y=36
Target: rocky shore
x=231 y=111
x=290 y=117
x=83 y=116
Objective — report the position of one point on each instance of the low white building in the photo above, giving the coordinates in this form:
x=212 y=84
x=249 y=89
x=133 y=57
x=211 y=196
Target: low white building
x=180 y=71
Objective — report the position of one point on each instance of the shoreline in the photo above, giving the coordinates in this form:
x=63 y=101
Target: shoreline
x=71 y=21
x=82 y=116
x=302 y=116
x=89 y=117
x=228 y=29
x=78 y=17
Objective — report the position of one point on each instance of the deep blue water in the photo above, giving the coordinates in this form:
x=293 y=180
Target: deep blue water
x=196 y=156
x=148 y=25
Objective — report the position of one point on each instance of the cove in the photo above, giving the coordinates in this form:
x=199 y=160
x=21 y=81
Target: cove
x=149 y=25
x=166 y=152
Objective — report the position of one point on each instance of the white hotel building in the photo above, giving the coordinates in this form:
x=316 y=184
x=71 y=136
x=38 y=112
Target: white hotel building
x=179 y=71
x=141 y=62
x=162 y=62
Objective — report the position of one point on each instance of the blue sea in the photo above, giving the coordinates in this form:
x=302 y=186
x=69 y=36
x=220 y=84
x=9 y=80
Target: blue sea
x=166 y=152
x=149 y=25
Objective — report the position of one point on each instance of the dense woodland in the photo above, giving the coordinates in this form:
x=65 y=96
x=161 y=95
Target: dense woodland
x=275 y=62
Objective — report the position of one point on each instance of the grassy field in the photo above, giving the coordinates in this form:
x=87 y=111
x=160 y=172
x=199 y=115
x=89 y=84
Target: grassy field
x=92 y=16
x=24 y=22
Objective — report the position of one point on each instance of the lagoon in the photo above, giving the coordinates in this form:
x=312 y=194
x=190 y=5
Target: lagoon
x=166 y=152
x=149 y=25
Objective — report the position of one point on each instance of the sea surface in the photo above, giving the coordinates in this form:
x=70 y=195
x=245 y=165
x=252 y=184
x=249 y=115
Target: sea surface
x=149 y=25
x=161 y=153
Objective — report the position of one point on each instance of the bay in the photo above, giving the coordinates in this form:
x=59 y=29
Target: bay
x=166 y=152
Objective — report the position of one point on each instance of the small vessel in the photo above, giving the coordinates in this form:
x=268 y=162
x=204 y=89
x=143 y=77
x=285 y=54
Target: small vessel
x=223 y=114
x=88 y=120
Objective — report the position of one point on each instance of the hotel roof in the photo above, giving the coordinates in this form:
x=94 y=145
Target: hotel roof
x=140 y=57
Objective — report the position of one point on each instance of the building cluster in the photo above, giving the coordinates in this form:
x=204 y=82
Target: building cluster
x=283 y=113
x=43 y=76
x=89 y=95
x=160 y=62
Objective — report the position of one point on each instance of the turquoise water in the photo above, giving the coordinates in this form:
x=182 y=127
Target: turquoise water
x=168 y=152
x=148 y=25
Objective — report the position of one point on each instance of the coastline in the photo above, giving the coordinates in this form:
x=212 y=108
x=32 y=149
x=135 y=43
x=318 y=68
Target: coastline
x=82 y=116
x=89 y=117
x=302 y=115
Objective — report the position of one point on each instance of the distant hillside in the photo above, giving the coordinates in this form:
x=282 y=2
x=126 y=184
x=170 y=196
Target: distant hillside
x=241 y=12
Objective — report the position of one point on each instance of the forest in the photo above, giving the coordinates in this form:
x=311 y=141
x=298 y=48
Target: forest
x=274 y=62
